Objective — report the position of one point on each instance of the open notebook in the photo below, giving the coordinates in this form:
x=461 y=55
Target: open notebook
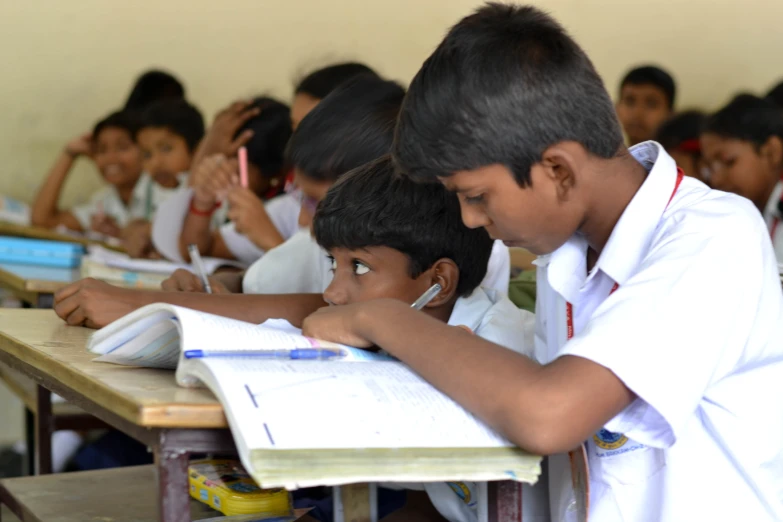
x=361 y=418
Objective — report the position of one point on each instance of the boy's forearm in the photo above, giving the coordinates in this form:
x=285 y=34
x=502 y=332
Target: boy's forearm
x=44 y=210
x=253 y=308
x=539 y=408
x=195 y=231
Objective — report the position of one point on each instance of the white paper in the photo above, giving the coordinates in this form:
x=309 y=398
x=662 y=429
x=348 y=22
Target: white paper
x=331 y=405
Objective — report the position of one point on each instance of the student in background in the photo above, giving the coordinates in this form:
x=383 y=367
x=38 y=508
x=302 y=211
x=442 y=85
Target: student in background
x=743 y=147
x=647 y=96
x=659 y=311
x=388 y=236
x=170 y=133
x=776 y=94
x=318 y=84
x=112 y=146
x=152 y=86
x=223 y=218
x=679 y=135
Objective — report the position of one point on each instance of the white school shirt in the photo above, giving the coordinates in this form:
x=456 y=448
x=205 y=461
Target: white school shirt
x=695 y=330
x=283 y=212
x=300 y=265
x=146 y=197
x=773 y=216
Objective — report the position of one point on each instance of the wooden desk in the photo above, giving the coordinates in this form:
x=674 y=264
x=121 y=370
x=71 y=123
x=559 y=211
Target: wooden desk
x=149 y=406
x=36 y=285
x=31 y=232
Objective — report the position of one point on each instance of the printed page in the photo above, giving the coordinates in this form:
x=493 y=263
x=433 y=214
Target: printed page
x=157 y=346
x=156 y=266
x=329 y=405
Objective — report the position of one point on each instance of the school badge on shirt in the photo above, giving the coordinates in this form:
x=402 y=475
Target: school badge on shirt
x=609 y=444
x=463 y=492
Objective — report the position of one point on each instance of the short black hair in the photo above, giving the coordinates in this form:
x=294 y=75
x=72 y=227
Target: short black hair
x=271 y=132
x=655 y=76
x=321 y=82
x=776 y=94
x=505 y=84
x=127 y=121
x=374 y=206
x=747 y=118
x=179 y=117
x=681 y=128
x=152 y=86
x=350 y=127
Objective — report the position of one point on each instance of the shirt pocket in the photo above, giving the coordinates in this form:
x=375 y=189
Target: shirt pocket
x=616 y=458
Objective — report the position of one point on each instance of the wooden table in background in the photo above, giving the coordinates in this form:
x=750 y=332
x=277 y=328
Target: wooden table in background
x=36 y=285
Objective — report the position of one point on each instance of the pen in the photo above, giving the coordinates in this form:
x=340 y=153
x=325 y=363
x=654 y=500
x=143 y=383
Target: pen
x=242 y=153
x=313 y=354
x=198 y=266
x=426 y=297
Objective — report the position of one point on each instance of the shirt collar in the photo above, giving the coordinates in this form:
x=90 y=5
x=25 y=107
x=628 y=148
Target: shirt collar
x=469 y=311
x=772 y=209
x=632 y=234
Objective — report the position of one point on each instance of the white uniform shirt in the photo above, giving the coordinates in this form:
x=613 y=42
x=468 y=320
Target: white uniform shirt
x=695 y=330
x=300 y=265
x=283 y=212
x=773 y=216
x=146 y=197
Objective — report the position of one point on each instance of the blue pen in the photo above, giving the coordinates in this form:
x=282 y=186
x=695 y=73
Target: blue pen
x=311 y=354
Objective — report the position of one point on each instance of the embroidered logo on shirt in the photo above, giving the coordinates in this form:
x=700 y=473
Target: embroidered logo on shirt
x=608 y=440
x=461 y=490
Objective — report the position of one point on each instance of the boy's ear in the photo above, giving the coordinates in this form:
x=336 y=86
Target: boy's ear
x=446 y=273
x=772 y=151
x=560 y=164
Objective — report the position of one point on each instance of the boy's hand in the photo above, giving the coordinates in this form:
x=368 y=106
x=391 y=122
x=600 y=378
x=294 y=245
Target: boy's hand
x=250 y=218
x=105 y=225
x=80 y=146
x=184 y=281
x=93 y=303
x=220 y=136
x=137 y=238
x=212 y=179
x=344 y=324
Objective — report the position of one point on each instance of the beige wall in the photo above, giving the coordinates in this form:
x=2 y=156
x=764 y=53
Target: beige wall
x=65 y=63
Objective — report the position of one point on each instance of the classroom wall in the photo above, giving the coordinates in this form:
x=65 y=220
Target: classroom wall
x=63 y=64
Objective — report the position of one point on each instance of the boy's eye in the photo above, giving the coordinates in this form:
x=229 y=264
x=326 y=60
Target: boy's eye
x=165 y=147
x=360 y=268
x=474 y=200
x=332 y=262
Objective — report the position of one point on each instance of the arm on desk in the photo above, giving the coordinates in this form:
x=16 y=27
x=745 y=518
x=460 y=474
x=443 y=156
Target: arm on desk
x=44 y=212
x=95 y=304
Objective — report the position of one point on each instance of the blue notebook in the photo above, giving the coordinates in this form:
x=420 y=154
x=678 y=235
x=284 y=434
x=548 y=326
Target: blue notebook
x=39 y=252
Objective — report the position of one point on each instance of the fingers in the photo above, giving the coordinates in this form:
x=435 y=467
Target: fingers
x=68 y=291
x=240 y=141
x=69 y=310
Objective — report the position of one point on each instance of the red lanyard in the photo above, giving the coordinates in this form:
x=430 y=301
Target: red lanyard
x=569 y=306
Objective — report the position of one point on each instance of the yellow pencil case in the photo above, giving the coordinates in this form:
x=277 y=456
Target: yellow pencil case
x=225 y=486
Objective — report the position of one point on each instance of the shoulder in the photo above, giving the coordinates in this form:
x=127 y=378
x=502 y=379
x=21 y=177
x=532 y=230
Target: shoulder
x=505 y=324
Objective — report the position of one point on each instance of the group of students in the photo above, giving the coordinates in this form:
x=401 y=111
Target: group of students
x=737 y=149
x=657 y=339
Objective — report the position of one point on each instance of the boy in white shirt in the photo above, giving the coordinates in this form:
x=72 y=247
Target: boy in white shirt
x=388 y=236
x=743 y=147
x=670 y=372
x=220 y=216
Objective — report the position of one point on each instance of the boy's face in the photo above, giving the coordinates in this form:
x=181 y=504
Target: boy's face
x=737 y=166
x=165 y=155
x=117 y=157
x=372 y=273
x=536 y=217
x=641 y=110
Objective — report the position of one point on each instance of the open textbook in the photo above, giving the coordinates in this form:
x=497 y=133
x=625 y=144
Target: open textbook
x=110 y=258
x=362 y=417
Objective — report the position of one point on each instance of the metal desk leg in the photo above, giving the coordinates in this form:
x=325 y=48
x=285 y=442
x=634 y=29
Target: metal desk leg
x=173 y=496
x=29 y=438
x=44 y=422
x=505 y=501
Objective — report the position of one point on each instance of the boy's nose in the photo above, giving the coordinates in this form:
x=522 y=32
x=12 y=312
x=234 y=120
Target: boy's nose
x=334 y=295
x=474 y=218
